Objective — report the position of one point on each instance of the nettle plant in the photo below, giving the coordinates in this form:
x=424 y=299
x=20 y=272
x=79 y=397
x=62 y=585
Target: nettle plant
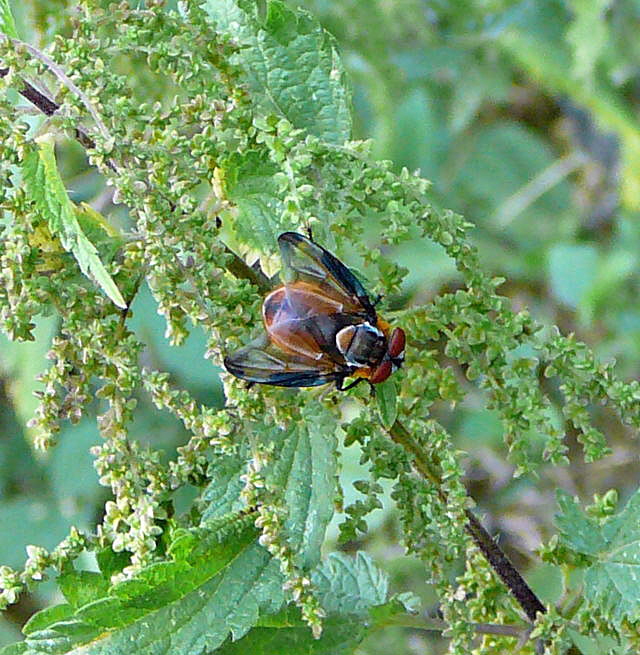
x=251 y=138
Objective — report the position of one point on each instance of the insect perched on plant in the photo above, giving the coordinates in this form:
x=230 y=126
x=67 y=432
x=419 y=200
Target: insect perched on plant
x=320 y=326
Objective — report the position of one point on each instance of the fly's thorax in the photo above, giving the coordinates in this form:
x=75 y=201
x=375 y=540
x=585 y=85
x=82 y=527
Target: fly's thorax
x=361 y=344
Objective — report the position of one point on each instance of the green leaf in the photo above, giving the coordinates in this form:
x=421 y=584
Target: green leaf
x=420 y=138
x=250 y=186
x=398 y=605
x=587 y=35
x=22 y=363
x=350 y=585
x=340 y=636
x=291 y=63
x=306 y=469
x=15 y=649
x=94 y=224
x=347 y=589
x=537 y=32
x=611 y=581
x=572 y=271
x=477 y=82
x=218 y=583
x=99 y=231
x=596 y=644
x=613 y=269
x=387 y=397
x=111 y=563
x=46 y=189
x=46 y=617
x=7 y=24
x=222 y=494
x=9 y=632
x=82 y=587
x=501 y=160
x=577 y=529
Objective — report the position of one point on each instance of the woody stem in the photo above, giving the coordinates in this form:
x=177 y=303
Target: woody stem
x=498 y=560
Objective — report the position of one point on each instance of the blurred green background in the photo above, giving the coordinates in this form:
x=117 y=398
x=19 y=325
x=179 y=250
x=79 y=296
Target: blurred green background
x=524 y=115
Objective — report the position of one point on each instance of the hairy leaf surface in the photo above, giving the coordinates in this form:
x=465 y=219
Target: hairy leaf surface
x=291 y=64
x=218 y=583
x=612 y=579
x=351 y=590
x=304 y=469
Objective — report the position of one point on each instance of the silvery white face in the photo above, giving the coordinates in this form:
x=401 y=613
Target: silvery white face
x=361 y=345
x=397 y=362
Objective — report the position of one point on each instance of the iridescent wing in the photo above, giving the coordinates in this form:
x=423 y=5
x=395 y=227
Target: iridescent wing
x=263 y=362
x=306 y=261
x=300 y=318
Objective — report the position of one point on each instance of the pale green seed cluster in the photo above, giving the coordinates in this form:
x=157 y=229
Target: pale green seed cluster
x=175 y=162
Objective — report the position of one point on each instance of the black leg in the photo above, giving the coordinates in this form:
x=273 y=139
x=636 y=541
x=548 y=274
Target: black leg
x=309 y=232
x=339 y=386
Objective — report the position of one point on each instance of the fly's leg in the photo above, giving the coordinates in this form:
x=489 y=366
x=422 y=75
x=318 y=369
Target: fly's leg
x=309 y=232
x=340 y=382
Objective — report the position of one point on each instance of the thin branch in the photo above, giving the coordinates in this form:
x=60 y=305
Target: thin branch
x=65 y=79
x=236 y=266
x=500 y=563
x=524 y=197
x=504 y=568
x=433 y=624
x=49 y=107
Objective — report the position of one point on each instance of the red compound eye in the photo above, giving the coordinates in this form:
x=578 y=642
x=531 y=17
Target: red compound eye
x=397 y=342
x=382 y=372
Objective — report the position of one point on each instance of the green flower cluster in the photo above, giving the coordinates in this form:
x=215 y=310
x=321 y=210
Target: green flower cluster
x=212 y=149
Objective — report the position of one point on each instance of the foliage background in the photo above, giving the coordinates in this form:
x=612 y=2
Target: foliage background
x=524 y=117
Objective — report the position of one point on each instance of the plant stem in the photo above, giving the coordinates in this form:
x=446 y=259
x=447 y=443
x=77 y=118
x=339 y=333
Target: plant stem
x=504 y=568
x=438 y=625
x=498 y=560
x=47 y=107
x=64 y=79
x=236 y=266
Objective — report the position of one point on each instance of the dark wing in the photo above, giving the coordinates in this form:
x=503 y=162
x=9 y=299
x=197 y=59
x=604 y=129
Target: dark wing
x=262 y=361
x=307 y=261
